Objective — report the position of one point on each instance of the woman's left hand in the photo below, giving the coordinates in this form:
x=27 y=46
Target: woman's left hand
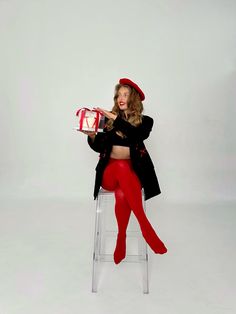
x=107 y=113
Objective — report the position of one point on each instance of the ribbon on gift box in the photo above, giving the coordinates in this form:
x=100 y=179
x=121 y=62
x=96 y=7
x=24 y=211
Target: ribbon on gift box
x=83 y=116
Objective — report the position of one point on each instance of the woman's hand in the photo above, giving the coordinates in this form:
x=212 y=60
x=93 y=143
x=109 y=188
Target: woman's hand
x=91 y=134
x=107 y=113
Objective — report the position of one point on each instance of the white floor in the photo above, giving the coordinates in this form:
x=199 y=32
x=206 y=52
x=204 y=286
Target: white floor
x=46 y=261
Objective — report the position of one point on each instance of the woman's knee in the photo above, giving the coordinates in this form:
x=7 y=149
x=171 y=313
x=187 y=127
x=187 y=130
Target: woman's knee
x=108 y=185
x=108 y=180
x=119 y=194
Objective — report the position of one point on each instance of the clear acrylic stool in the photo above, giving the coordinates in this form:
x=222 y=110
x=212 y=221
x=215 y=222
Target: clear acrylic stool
x=105 y=230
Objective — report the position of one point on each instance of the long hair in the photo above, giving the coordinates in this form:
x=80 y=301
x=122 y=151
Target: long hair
x=134 y=110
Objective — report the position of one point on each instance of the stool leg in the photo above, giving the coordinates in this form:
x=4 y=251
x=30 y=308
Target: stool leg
x=145 y=257
x=145 y=269
x=97 y=245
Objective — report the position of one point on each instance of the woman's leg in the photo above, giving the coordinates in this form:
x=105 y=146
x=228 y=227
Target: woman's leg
x=122 y=212
x=129 y=183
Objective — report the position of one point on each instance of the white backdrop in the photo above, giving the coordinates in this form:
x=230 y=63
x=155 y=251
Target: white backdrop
x=57 y=56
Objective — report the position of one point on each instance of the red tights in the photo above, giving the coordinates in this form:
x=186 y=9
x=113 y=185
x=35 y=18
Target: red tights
x=121 y=178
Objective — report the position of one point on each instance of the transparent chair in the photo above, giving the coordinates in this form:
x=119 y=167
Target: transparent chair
x=106 y=229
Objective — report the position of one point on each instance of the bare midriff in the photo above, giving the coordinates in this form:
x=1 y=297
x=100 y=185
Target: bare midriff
x=120 y=152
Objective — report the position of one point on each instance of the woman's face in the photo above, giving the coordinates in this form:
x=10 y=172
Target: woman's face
x=123 y=97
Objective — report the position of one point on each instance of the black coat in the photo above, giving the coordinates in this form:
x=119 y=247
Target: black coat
x=140 y=158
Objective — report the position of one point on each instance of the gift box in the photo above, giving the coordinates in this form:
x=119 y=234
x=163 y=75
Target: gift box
x=90 y=120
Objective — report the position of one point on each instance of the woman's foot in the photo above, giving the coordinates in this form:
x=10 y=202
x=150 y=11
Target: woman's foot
x=120 y=250
x=156 y=245
x=154 y=241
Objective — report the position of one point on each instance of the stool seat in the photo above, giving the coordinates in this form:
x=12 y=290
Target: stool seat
x=105 y=238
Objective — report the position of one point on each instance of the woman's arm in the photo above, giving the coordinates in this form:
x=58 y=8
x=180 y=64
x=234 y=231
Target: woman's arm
x=140 y=132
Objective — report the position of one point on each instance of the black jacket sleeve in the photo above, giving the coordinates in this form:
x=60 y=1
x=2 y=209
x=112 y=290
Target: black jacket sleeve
x=99 y=142
x=138 y=133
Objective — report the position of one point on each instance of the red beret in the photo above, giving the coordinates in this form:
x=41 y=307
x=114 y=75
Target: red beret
x=126 y=81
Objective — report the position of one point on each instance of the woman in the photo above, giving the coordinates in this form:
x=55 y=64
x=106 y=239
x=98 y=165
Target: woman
x=125 y=166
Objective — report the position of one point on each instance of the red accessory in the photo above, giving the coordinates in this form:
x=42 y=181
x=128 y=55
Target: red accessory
x=126 y=81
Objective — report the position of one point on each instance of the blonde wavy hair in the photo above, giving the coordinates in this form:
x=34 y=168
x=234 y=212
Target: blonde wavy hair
x=134 y=111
